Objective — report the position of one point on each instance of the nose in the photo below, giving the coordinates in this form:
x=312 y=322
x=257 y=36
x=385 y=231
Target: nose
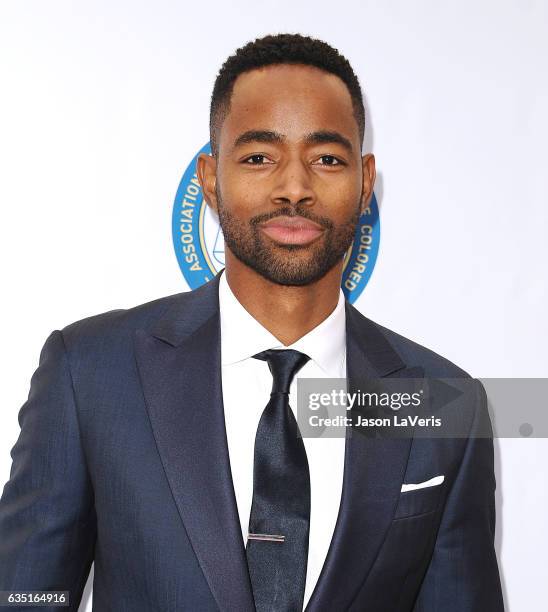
x=293 y=184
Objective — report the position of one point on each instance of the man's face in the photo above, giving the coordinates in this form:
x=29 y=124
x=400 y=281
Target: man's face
x=289 y=183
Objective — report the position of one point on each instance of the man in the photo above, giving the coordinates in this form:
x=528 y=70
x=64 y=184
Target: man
x=160 y=442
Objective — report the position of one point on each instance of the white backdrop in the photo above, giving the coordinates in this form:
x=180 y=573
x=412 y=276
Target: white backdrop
x=104 y=103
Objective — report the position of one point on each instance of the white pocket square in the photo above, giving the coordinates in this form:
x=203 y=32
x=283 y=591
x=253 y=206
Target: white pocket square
x=437 y=480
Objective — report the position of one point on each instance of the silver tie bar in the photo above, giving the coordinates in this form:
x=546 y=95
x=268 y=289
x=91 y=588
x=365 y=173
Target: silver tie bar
x=266 y=537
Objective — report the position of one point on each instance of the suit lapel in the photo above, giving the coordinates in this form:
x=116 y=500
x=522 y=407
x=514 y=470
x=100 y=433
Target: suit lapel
x=374 y=469
x=179 y=362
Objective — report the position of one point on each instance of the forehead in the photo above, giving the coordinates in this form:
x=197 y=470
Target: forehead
x=291 y=99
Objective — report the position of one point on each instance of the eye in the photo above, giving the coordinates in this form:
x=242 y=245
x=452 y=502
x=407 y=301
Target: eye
x=255 y=160
x=330 y=160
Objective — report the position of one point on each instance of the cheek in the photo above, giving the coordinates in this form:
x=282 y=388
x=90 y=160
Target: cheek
x=340 y=200
x=243 y=196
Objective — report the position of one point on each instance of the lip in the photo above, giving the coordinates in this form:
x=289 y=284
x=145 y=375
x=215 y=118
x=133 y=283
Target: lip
x=292 y=230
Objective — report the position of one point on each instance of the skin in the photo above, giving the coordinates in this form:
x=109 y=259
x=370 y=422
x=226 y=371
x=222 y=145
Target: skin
x=293 y=175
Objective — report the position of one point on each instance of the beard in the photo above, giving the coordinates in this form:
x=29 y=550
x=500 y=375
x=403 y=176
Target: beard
x=287 y=264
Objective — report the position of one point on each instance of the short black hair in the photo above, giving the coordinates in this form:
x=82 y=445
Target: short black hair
x=281 y=49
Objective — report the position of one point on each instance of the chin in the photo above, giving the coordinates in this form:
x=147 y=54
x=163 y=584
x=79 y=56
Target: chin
x=293 y=276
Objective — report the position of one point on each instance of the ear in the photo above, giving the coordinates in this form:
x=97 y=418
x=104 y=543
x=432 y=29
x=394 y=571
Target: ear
x=206 y=169
x=369 y=173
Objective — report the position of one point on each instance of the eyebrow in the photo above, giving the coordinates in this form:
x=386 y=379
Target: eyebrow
x=318 y=137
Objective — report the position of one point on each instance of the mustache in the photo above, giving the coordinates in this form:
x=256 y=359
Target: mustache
x=289 y=211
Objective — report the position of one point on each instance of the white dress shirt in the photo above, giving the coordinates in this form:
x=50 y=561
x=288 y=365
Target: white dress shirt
x=247 y=383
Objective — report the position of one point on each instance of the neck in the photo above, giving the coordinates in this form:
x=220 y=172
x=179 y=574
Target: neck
x=288 y=312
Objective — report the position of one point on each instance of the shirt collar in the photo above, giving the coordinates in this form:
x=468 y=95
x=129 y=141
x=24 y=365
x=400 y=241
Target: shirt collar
x=242 y=336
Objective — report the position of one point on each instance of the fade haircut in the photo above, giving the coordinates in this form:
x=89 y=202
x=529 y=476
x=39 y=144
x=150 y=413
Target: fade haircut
x=280 y=49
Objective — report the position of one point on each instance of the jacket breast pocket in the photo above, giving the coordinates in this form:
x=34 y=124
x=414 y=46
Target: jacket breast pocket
x=419 y=501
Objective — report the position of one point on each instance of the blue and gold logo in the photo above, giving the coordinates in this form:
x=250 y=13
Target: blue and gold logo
x=200 y=249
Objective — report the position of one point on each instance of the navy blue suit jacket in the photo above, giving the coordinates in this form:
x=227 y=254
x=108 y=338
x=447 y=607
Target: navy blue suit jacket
x=122 y=460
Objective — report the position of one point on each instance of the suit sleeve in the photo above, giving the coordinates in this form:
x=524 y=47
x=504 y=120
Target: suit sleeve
x=463 y=574
x=47 y=517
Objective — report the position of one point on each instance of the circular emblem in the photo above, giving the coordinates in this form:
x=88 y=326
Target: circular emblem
x=200 y=249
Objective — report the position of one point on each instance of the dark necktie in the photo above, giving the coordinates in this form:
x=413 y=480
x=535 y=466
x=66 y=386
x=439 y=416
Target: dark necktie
x=277 y=544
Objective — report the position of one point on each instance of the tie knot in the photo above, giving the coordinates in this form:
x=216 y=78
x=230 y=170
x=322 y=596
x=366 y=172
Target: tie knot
x=283 y=364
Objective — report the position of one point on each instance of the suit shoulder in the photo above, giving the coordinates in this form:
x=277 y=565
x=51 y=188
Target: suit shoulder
x=117 y=323
x=415 y=354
